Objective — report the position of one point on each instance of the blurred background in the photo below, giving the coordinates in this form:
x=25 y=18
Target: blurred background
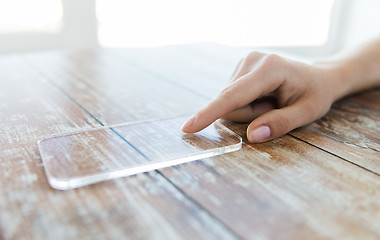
x=310 y=27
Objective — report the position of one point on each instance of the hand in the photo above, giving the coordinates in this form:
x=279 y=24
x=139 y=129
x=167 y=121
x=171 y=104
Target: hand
x=302 y=92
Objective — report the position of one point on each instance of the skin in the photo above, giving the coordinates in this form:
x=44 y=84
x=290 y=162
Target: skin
x=277 y=95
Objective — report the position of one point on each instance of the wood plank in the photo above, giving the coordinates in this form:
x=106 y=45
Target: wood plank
x=282 y=188
x=181 y=65
x=107 y=87
x=285 y=188
x=350 y=130
x=31 y=109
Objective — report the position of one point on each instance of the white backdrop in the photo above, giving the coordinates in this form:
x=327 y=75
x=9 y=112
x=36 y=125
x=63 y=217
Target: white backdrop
x=299 y=26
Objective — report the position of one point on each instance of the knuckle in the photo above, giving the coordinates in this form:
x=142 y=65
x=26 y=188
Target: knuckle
x=251 y=58
x=273 y=60
x=315 y=110
x=310 y=107
x=254 y=55
x=226 y=93
x=283 y=125
x=228 y=97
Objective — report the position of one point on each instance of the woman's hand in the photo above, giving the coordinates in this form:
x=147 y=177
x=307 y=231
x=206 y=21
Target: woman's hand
x=275 y=94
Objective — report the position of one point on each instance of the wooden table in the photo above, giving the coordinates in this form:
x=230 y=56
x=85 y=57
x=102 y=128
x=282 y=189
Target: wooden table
x=318 y=182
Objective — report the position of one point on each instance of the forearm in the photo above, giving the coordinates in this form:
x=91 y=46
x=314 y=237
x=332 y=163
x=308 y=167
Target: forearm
x=356 y=70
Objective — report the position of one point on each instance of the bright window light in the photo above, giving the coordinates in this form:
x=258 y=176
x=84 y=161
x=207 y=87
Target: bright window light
x=30 y=16
x=149 y=23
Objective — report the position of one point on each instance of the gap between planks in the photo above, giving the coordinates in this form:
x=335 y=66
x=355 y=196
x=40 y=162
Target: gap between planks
x=336 y=155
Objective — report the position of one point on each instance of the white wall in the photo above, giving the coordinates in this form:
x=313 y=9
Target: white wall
x=362 y=22
x=353 y=22
x=78 y=30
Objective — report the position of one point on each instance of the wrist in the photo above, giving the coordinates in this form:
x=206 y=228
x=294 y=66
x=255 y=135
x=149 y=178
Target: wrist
x=354 y=70
x=341 y=79
x=337 y=79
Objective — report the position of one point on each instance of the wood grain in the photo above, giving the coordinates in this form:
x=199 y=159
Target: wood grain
x=181 y=65
x=32 y=108
x=283 y=189
x=350 y=130
x=108 y=88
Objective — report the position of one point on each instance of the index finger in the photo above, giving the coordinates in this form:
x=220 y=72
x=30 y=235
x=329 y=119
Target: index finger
x=237 y=95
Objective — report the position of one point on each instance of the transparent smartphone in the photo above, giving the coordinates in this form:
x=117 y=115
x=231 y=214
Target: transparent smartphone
x=85 y=157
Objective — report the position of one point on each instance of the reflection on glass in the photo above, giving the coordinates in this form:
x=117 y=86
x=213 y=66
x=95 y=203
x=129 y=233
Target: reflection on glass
x=85 y=157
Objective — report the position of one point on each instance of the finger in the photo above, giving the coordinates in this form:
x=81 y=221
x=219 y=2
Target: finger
x=237 y=69
x=250 y=112
x=245 y=65
x=278 y=122
x=239 y=94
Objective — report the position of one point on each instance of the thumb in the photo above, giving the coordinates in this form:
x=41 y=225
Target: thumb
x=278 y=122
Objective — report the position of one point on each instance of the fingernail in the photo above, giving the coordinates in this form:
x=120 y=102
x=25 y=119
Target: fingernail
x=189 y=123
x=260 y=134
